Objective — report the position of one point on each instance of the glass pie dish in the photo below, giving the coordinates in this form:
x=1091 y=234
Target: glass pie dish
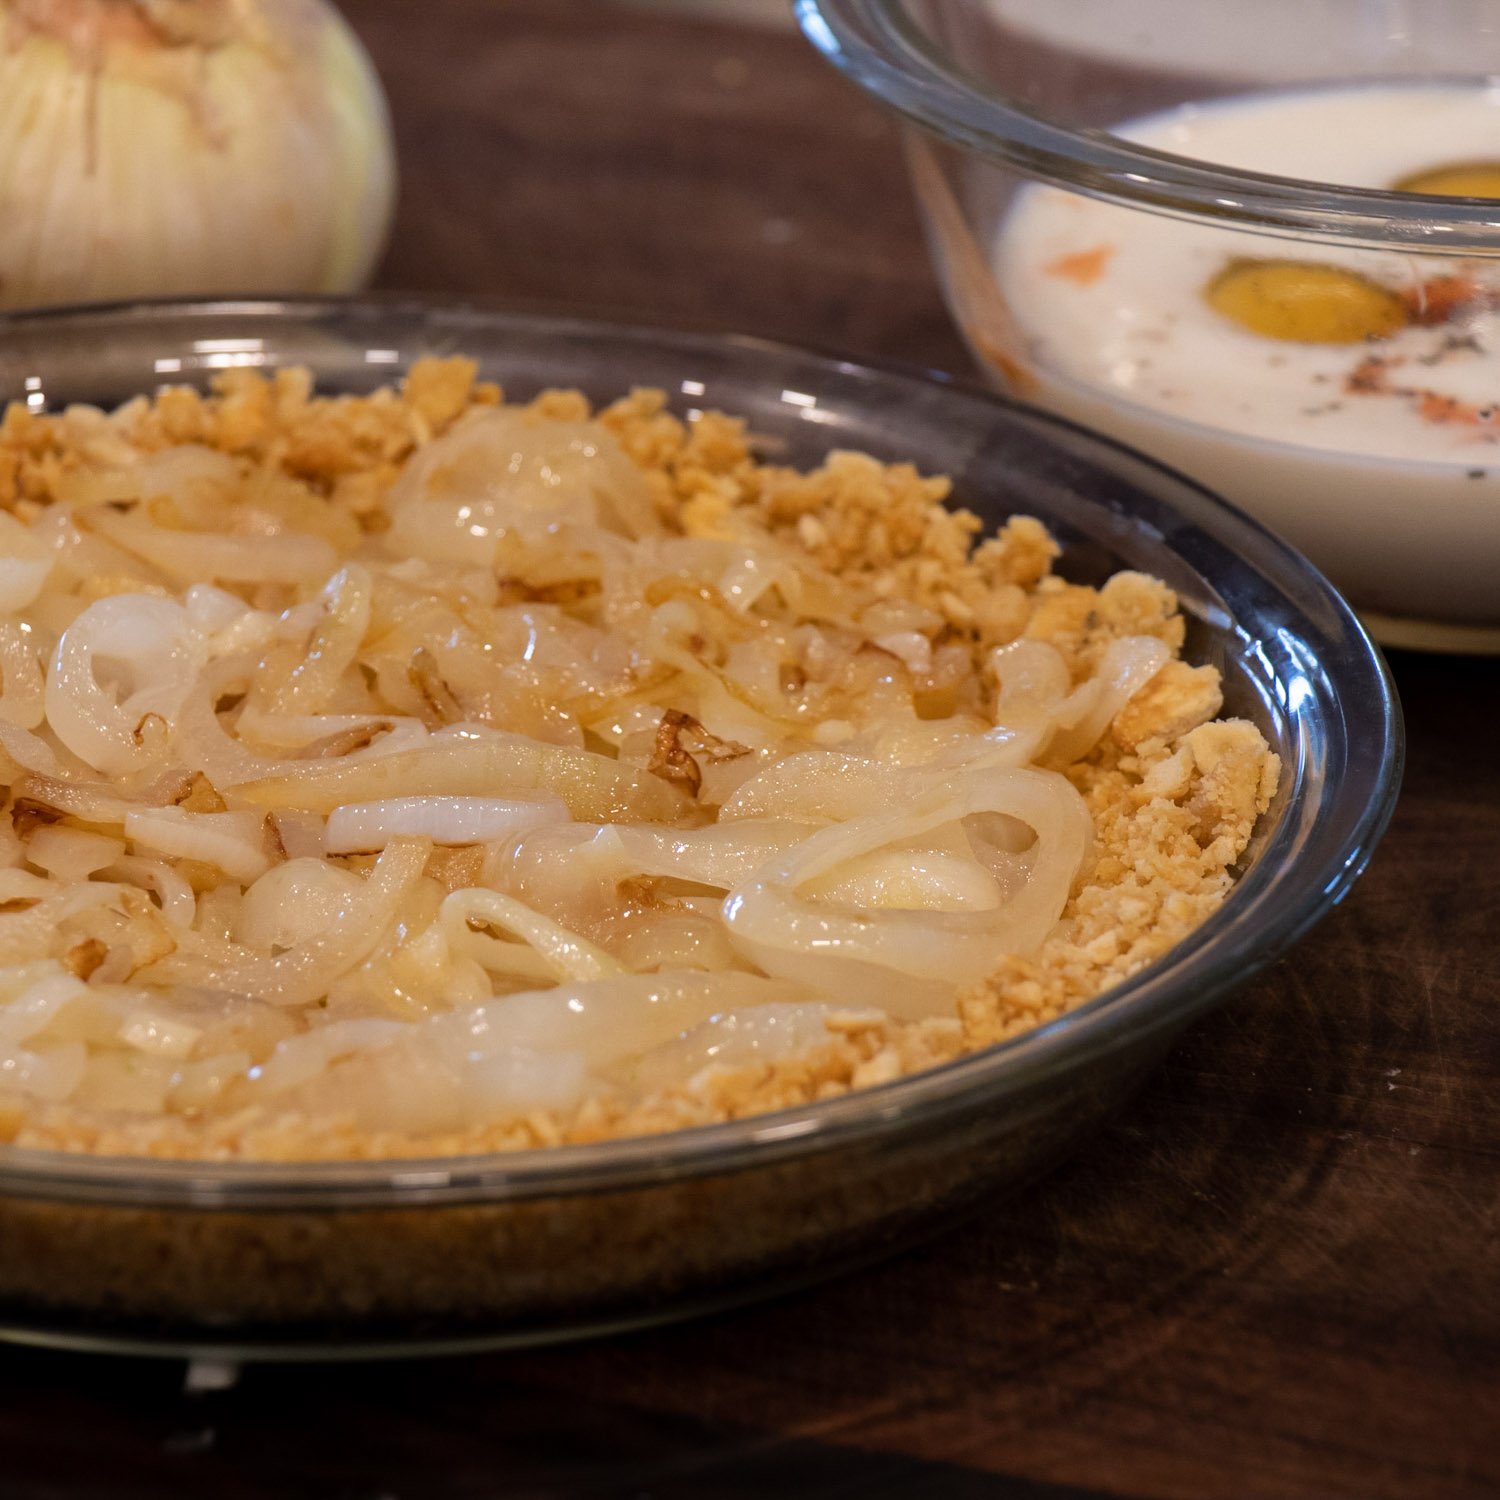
x=242 y=1260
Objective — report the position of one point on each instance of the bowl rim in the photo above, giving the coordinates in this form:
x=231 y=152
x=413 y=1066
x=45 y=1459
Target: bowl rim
x=1192 y=976
x=879 y=45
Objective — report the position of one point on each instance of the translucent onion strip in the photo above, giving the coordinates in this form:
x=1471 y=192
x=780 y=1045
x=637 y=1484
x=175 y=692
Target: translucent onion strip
x=334 y=645
x=294 y=902
x=297 y=1061
x=71 y=853
x=612 y=1019
x=194 y=556
x=88 y=799
x=1067 y=721
x=178 y=904
x=358 y=827
x=762 y=1034
x=33 y=995
x=155 y=642
x=595 y=788
x=200 y=740
x=28 y=751
x=21 y=681
x=820 y=785
x=303 y=973
x=924 y=954
x=53 y=1074
x=498 y=473
x=232 y=841
x=714 y=856
x=24 y=564
x=566 y=954
x=32 y=933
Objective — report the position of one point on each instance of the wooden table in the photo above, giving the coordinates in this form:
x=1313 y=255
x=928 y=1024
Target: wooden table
x=1273 y=1276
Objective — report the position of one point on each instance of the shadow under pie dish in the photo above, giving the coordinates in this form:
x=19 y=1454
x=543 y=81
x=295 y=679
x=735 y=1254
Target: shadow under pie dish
x=339 y=1221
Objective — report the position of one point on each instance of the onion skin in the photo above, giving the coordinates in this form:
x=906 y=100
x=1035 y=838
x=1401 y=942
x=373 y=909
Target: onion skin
x=149 y=150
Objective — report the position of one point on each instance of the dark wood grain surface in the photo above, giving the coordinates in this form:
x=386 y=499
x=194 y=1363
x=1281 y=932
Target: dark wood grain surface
x=1274 y=1276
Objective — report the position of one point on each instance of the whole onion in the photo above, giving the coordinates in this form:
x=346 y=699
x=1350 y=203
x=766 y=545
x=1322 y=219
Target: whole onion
x=152 y=147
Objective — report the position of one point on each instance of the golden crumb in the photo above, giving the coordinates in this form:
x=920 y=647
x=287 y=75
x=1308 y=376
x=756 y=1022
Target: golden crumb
x=1177 y=699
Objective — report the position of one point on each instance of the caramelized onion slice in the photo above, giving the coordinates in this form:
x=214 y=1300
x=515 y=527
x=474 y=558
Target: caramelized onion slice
x=595 y=788
x=303 y=973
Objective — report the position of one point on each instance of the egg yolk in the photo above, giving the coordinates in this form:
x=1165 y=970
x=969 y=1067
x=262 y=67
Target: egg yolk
x=1460 y=179
x=1305 y=302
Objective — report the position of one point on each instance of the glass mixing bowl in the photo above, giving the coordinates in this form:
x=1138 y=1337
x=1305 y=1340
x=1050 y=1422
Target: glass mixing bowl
x=328 y=1260
x=1105 y=185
